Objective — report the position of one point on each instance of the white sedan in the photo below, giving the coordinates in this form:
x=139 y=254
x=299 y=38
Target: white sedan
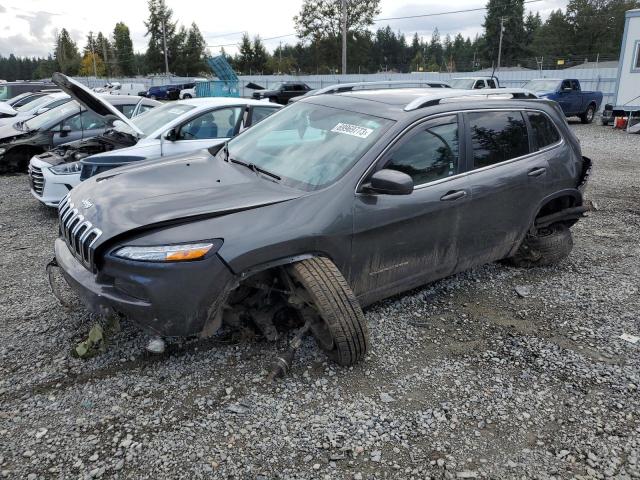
x=176 y=127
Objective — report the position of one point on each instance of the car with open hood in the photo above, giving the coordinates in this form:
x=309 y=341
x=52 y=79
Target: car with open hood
x=172 y=128
x=335 y=202
x=74 y=120
x=32 y=109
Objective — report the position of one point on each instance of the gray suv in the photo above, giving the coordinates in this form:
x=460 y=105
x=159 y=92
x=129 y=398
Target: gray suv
x=331 y=204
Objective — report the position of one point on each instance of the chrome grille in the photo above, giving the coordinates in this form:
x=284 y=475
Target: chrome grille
x=37 y=179
x=79 y=234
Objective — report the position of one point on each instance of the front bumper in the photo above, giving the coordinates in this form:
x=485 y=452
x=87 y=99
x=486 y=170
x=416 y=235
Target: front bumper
x=167 y=299
x=46 y=186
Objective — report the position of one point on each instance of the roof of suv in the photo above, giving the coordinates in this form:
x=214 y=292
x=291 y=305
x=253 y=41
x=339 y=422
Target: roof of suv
x=396 y=103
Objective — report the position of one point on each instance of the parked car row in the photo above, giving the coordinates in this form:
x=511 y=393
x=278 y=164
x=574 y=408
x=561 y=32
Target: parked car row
x=170 y=129
x=334 y=202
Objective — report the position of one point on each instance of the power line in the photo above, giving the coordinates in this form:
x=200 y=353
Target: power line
x=479 y=9
x=379 y=20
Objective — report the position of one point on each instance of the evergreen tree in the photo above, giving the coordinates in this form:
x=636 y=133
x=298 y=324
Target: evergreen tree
x=244 y=59
x=194 y=51
x=123 y=49
x=159 y=19
x=260 y=56
x=66 y=53
x=512 y=14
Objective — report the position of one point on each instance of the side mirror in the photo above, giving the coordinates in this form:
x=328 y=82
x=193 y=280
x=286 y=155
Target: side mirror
x=390 y=182
x=64 y=131
x=171 y=135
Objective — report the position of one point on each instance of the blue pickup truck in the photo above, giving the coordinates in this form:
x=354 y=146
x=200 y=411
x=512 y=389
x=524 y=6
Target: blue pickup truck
x=567 y=92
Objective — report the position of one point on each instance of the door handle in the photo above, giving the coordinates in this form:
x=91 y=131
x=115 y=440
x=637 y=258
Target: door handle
x=453 y=195
x=536 y=172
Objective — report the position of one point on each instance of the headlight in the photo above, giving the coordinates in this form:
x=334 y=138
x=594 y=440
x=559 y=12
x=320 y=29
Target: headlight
x=165 y=253
x=2 y=151
x=67 y=168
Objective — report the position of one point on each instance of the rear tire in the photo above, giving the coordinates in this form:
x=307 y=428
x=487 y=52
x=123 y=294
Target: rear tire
x=186 y=96
x=588 y=116
x=552 y=245
x=338 y=308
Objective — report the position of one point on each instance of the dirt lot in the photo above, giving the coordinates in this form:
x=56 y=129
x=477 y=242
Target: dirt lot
x=466 y=378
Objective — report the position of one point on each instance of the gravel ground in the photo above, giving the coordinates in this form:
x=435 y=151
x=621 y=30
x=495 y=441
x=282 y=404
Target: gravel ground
x=466 y=378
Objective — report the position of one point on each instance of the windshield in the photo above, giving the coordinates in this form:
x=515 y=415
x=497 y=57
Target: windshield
x=541 y=85
x=309 y=146
x=151 y=120
x=39 y=102
x=462 y=83
x=52 y=116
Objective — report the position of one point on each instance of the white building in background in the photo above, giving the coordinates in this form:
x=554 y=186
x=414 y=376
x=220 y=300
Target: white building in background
x=627 y=96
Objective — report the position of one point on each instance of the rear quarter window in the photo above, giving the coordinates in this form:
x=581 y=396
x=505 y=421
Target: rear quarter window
x=497 y=137
x=543 y=130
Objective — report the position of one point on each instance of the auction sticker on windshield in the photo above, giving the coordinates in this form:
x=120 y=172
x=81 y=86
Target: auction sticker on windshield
x=353 y=130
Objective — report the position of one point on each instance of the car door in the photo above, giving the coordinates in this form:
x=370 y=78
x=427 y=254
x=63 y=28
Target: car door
x=506 y=182
x=565 y=97
x=69 y=130
x=204 y=130
x=92 y=124
x=401 y=241
x=576 y=97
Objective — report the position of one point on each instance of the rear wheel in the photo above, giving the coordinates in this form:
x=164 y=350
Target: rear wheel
x=587 y=117
x=549 y=246
x=337 y=321
x=186 y=96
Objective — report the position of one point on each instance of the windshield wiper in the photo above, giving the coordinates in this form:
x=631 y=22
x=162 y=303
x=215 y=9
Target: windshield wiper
x=253 y=167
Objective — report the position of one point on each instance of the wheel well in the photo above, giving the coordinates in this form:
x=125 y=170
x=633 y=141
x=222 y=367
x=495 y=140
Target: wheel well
x=556 y=205
x=17 y=152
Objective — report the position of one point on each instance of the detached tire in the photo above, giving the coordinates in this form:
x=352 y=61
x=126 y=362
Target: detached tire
x=552 y=245
x=588 y=116
x=338 y=308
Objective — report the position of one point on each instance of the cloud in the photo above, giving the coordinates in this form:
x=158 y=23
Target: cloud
x=21 y=46
x=2 y=9
x=38 y=23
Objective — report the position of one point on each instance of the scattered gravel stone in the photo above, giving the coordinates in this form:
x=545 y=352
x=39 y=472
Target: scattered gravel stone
x=540 y=386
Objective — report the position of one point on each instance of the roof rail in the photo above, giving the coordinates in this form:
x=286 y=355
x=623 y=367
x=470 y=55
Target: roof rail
x=456 y=95
x=348 y=87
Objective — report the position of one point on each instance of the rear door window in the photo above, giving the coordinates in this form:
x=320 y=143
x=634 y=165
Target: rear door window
x=497 y=137
x=543 y=130
x=431 y=152
x=219 y=123
x=260 y=113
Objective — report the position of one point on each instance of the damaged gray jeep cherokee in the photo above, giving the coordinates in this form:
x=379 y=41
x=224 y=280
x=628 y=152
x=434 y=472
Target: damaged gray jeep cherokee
x=333 y=203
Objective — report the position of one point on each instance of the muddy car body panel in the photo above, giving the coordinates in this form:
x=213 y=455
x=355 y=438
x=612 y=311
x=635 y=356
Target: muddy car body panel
x=457 y=215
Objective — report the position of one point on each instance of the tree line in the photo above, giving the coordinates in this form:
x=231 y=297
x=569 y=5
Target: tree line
x=585 y=30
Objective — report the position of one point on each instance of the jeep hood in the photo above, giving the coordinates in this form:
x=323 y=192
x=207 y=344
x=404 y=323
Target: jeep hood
x=90 y=100
x=151 y=193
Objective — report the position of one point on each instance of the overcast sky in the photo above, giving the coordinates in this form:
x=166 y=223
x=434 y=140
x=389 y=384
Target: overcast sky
x=27 y=27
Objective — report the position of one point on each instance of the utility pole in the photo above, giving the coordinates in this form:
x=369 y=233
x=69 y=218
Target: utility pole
x=280 y=58
x=164 y=43
x=93 y=55
x=344 y=37
x=500 y=44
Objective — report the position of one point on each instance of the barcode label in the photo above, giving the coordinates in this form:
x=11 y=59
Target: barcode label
x=353 y=130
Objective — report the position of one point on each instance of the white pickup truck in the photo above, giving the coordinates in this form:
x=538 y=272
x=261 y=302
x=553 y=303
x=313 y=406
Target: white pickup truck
x=474 y=83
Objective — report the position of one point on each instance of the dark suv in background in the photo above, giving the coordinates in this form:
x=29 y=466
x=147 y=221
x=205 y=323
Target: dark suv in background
x=283 y=92
x=335 y=202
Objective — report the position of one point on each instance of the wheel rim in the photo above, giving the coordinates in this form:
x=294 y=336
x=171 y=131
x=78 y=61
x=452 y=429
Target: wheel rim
x=590 y=113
